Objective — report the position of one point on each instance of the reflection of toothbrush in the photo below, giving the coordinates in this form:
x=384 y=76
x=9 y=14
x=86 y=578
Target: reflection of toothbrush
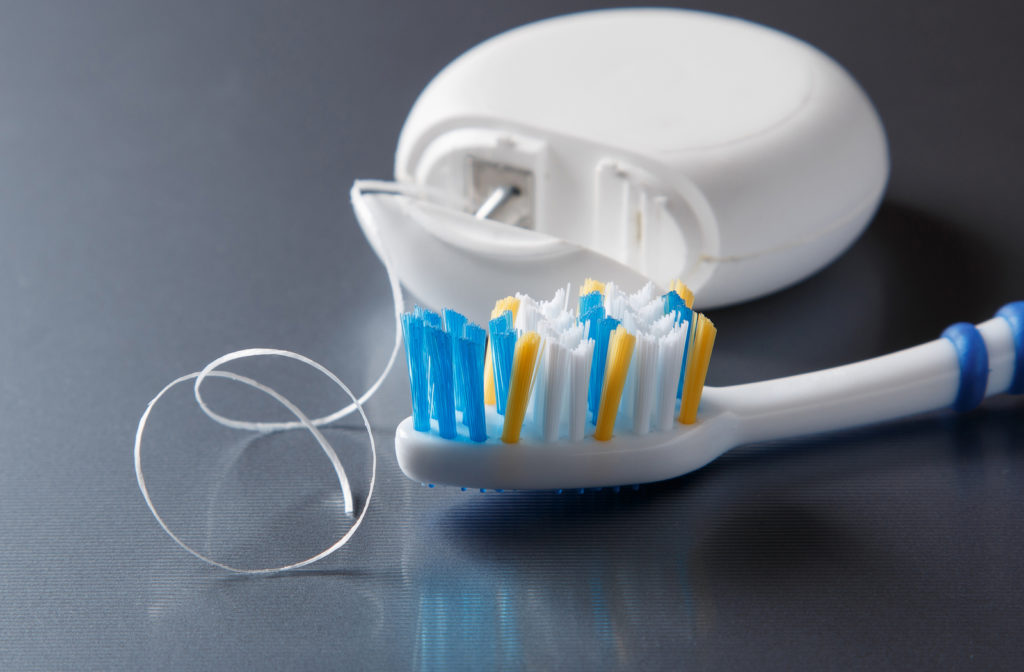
x=960 y=369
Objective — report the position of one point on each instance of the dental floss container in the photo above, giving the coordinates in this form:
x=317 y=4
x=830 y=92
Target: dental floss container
x=628 y=145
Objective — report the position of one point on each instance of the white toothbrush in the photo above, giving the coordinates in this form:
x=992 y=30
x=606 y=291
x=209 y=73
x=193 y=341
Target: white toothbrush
x=966 y=365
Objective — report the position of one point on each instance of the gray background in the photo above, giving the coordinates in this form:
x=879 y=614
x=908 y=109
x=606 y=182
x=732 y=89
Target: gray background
x=173 y=186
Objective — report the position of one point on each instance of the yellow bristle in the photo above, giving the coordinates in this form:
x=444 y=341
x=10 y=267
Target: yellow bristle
x=684 y=292
x=508 y=303
x=500 y=306
x=524 y=364
x=590 y=285
x=620 y=352
x=697 y=371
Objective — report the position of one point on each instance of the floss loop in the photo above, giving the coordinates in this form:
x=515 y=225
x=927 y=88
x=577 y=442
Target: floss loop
x=302 y=421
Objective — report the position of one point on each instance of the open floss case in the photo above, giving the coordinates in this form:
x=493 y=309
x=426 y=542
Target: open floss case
x=627 y=145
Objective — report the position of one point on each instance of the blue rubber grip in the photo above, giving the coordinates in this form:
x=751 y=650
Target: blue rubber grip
x=973 y=356
x=1013 y=313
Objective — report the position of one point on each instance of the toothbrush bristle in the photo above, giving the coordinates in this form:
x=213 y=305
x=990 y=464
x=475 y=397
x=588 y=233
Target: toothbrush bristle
x=605 y=327
x=624 y=363
x=503 y=345
x=704 y=341
x=441 y=384
x=620 y=353
x=684 y=292
x=508 y=304
x=590 y=285
x=590 y=301
x=523 y=367
x=430 y=318
x=455 y=324
x=684 y=317
x=670 y=362
x=469 y=364
x=644 y=379
x=412 y=330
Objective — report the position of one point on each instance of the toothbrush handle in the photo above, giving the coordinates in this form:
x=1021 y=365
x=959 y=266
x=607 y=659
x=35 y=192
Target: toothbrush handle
x=926 y=377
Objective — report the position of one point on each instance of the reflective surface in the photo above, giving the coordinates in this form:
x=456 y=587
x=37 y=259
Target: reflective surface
x=173 y=186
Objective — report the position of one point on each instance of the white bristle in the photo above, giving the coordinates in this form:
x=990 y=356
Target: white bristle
x=651 y=312
x=556 y=362
x=642 y=297
x=557 y=406
x=572 y=336
x=528 y=315
x=628 y=389
x=670 y=359
x=616 y=303
x=608 y=296
x=557 y=324
x=551 y=309
x=579 y=379
x=645 y=365
x=584 y=331
x=662 y=325
x=538 y=395
x=629 y=321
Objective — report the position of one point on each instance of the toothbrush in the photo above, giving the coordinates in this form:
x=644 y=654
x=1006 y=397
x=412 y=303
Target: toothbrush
x=634 y=444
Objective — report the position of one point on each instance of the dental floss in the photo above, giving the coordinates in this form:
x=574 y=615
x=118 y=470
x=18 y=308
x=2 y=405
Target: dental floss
x=211 y=370
x=303 y=421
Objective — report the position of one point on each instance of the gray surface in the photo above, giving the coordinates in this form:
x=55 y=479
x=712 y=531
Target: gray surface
x=173 y=185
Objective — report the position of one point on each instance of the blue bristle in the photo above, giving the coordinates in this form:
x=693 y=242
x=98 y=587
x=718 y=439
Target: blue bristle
x=559 y=491
x=503 y=322
x=503 y=347
x=463 y=489
x=615 y=488
x=430 y=485
x=415 y=354
x=605 y=326
x=582 y=490
x=455 y=324
x=442 y=389
x=592 y=317
x=684 y=314
x=499 y=490
x=469 y=374
x=590 y=301
x=475 y=333
x=686 y=353
x=673 y=303
x=483 y=489
x=429 y=317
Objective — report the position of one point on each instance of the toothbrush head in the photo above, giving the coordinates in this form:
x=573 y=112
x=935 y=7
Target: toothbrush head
x=559 y=399
x=533 y=463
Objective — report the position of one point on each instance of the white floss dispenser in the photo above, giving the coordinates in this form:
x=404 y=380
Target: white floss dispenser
x=629 y=145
